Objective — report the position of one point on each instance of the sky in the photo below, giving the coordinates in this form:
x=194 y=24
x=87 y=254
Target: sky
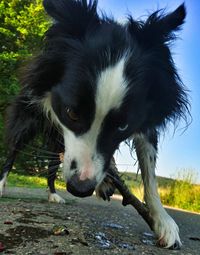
x=177 y=151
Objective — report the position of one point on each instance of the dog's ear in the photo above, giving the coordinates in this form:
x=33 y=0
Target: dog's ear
x=72 y=17
x=42 y=73
x=158 y=28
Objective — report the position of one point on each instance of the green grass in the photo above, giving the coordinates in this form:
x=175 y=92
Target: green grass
x=180 y=193
x=15 y=180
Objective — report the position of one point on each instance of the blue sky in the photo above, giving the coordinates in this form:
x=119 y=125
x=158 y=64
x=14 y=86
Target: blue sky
x=176 y=151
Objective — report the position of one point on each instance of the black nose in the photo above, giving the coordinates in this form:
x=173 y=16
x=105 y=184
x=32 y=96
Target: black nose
x=80 y=188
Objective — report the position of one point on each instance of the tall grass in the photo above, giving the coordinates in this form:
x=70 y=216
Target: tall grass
x=183 y=193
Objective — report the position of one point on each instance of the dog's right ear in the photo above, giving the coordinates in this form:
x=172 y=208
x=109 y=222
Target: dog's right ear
x=73 y=17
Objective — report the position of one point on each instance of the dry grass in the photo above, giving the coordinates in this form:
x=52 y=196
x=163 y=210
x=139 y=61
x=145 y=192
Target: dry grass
x=183 y=193
x=180 y=193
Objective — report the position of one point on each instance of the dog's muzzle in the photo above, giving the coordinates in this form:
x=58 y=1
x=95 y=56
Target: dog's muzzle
x=80 y=188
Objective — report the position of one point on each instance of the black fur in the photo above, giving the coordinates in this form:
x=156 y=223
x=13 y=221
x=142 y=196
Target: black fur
x=75 y=50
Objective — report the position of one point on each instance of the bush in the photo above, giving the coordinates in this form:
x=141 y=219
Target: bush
x=22 y=27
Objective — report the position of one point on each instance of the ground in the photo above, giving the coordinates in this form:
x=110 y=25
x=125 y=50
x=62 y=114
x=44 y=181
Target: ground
x=31 y=225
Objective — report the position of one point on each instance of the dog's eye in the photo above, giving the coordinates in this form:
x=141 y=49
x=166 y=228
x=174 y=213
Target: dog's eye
x=72 y=115
x=123 y=128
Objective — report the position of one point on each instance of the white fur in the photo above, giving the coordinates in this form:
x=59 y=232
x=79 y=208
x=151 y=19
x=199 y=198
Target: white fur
x=165 y=227
x=2 y=185
x=81 y=149
x=47 y=108
x=55 y=198
x=111 y=90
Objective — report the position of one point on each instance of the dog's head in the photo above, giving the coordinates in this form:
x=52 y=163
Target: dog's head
x=102 y=82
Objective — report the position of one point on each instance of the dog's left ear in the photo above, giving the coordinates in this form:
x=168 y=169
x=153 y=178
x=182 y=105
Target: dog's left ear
x=72 y=17
x=158 y=27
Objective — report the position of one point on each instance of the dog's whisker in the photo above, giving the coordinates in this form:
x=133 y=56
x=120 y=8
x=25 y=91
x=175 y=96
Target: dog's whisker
x=42 y=150
x=60 y=142
x=53 y=167
x=46 y=170
x=37 y=156
x=54 y=160
x=42 y=161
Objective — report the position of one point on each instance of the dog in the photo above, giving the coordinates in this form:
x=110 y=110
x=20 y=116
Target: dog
x=95 y=84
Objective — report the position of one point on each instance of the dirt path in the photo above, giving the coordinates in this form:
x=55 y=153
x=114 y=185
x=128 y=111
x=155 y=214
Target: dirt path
x=29 y=224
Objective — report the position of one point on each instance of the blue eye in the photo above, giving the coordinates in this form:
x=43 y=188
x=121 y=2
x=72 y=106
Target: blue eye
x=123 y=128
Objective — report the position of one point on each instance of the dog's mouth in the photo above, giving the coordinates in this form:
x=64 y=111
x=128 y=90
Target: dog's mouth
x=77 y=193
x=81 y=188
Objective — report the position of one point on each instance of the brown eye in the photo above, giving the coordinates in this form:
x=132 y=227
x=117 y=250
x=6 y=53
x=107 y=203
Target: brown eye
x=72 y=115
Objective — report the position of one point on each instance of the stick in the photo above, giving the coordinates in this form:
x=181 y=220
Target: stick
x=128 y=197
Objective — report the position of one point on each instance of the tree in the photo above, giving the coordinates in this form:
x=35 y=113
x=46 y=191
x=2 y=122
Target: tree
x=22 y=27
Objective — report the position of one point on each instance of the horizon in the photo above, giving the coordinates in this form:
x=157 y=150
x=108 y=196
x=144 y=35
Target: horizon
x=177 y=150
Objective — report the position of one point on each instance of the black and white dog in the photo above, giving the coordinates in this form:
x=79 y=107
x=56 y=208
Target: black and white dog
x=96 y=84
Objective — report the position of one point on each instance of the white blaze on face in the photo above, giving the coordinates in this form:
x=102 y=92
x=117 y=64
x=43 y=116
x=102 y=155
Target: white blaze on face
x=111 y=90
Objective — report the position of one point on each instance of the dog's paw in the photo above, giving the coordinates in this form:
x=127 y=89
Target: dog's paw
x=106 y=189
x=2 y=187
x=166 y=231
x=55 y=198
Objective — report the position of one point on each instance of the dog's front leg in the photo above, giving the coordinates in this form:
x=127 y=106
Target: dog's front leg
x=164 y=227
x=107 y=188
x=5 y=171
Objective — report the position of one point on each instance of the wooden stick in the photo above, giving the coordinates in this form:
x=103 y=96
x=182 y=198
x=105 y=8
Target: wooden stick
x=128 y=197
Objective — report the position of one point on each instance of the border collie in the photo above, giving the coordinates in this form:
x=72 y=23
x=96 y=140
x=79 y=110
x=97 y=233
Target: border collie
x=95 y=84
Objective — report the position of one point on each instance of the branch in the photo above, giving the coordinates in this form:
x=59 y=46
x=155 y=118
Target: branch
x=128 y=197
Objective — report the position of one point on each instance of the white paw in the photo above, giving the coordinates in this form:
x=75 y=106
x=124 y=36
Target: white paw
x=55 y=198
x=2 y=187
x=166 y=231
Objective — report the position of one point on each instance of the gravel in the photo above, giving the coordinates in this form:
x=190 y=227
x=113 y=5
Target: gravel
x=31 y=225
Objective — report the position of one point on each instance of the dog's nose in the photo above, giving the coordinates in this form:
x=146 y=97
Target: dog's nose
x=80 y=188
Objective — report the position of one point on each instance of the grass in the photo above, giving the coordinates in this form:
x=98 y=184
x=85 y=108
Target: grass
x=183 y=193
x=15 y=180
x=180 y=192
